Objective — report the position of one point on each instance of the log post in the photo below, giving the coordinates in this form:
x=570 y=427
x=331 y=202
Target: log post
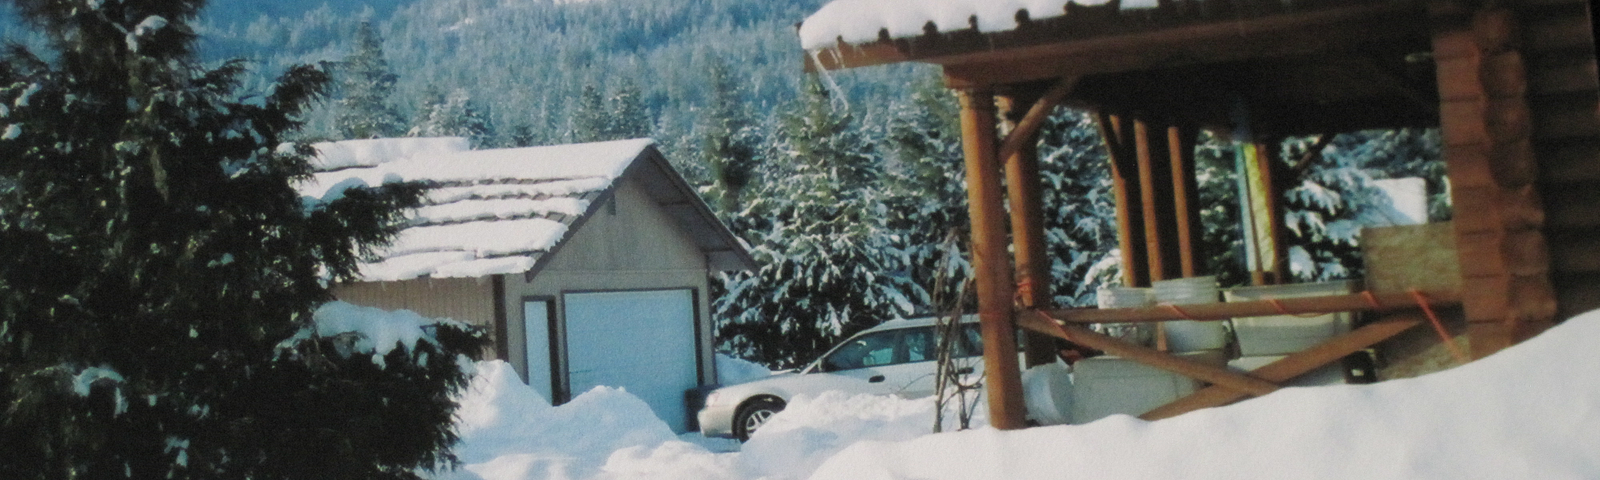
x=1117 y=134
x=990 y=260
x=1181 y=139
x=1160 y=222
x=1025 y=192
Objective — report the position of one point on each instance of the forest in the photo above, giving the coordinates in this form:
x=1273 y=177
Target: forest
x=847 y=187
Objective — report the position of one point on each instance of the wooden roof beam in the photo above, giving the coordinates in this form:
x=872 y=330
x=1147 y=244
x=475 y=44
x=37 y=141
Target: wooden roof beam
x=1027 y=128
x=1322 y=31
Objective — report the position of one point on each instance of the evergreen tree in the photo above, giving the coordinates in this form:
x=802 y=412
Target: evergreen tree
x=366 y=84
x=829 y=267
x=1080 y=219
x=454 y=115
x=729 y=143
x=926 y=187
x=589 y=116
x=158 y=272
x=629 y=118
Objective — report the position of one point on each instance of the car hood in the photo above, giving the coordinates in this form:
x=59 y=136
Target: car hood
x=788 y=385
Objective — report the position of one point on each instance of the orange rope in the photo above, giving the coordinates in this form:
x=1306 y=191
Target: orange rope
x=1371 y=299
x=1181 y=314
x=1422 y=301
x=1285 y=311
x=1023 y=293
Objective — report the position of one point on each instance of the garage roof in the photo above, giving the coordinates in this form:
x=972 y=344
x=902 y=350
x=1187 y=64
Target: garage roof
x=500 y=211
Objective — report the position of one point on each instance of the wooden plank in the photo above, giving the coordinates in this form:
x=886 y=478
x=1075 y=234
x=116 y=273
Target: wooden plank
x=1225 y=310
x=1563 y=75
x=1034 y=321
x=1576 y=161
x=1292 y=366
x=990 y=260
x=1564 y=116
x=1575 y=250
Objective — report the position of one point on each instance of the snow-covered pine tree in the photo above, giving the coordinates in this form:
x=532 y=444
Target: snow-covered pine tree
x=365 y=84
x=454 y=115
x=829 y=266
x=158 y=273
x=589 y=116
x=1327 y=197
x=730 y=143
x=1080 y=211
x=628 y=116
x=925 y=189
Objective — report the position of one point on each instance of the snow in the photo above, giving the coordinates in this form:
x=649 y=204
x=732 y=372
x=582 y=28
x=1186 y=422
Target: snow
x=485 y=212
x=84 y=381
x=377 y=332
x=371 y=153
x=506 y=208
x=1527 y=412
x=859 y=21
x=732 y=370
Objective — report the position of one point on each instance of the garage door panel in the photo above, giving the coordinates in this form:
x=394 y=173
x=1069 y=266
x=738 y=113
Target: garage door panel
x=641 y=341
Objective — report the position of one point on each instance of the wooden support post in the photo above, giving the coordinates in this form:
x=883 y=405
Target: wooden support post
x=1487 y=130
x=1117 y=134
x=1025 y=192
x=1155 y=182
x=990 y=261
x=1181 y=139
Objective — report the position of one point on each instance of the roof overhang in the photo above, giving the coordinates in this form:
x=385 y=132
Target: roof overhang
x=724 y=251
x=1321 y=67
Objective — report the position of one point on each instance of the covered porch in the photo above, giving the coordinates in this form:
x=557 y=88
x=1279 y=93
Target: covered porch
x=1511 y=85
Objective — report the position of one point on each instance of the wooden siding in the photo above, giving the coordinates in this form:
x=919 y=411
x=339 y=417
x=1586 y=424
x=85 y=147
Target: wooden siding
x=467 y=300
x=629 y=244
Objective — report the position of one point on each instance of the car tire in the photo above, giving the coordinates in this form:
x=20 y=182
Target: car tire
x=753 y=414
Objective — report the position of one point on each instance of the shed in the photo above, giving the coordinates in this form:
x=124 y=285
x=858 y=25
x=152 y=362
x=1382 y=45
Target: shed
x=1510 y=83
x=590 y=263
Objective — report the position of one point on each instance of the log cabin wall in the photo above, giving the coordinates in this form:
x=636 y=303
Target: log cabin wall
x=1521 y=130
x=1559 y=54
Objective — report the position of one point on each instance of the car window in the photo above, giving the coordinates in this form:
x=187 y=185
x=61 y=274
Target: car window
x=922 y=345
x=872 y=350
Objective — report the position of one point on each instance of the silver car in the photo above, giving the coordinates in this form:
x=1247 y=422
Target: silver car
x=898 y=357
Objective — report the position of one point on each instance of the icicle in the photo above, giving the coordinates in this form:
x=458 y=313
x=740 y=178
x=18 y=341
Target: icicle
x=838 y=97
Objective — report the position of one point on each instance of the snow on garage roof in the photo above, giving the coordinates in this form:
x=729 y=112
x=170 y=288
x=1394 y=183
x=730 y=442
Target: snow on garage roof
x=861 y=21
x=486 y=212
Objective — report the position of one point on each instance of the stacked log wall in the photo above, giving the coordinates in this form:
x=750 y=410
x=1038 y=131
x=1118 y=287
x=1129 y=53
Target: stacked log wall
x=1563 y=94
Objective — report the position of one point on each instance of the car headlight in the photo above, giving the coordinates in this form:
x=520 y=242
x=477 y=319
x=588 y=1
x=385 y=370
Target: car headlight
x=713 y=398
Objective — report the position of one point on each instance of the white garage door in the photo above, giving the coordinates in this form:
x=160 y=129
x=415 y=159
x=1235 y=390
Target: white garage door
x=641 y=341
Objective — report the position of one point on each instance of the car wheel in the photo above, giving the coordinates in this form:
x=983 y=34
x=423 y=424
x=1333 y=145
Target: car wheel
x=753 y=415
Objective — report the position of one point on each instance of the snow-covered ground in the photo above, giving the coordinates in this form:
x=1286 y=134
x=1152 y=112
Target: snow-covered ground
x=1530 y=412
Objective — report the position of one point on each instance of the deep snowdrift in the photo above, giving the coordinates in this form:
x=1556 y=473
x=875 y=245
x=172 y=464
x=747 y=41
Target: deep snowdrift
x=1532 y=411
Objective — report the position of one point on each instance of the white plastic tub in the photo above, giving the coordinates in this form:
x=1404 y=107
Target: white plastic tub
x=1285 y=334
